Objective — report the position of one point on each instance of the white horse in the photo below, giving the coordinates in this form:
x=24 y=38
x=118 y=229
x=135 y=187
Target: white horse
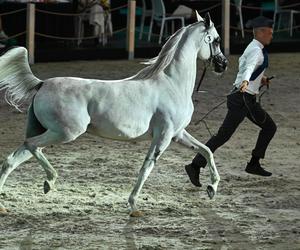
x=155 y=104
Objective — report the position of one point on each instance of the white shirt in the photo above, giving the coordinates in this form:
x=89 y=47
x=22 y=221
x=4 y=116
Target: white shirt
x=251 y=59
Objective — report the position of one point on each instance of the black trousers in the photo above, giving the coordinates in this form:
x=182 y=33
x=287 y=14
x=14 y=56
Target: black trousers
x=241 y=105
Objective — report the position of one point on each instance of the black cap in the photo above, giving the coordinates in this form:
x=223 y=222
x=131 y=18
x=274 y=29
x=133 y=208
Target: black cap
x=259 y=22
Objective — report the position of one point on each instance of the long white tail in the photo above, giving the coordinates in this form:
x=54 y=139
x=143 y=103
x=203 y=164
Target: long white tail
x=16 y=77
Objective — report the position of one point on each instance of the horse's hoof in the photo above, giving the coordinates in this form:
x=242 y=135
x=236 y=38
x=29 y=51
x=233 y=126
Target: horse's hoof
x=210 y=191
x=3 y=211
x=47 y=187
x=136 y=213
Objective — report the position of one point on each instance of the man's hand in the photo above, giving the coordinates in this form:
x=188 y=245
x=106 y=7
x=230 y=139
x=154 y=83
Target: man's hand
x=244 y=86
x=265 y=80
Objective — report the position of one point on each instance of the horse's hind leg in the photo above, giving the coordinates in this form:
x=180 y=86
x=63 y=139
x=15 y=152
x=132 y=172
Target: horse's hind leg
x=21 y=155
x=34 y=145
x=12 y=162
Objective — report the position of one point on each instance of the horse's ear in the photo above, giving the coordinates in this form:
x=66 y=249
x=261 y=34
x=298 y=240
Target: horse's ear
x=199 y=18
x=207 y=20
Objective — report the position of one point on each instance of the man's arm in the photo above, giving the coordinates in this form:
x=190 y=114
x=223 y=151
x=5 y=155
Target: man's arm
x=251 y=61
x=244 y=86
x=266 y=80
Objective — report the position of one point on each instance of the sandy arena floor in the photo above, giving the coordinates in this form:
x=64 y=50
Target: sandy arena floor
x=88 y=209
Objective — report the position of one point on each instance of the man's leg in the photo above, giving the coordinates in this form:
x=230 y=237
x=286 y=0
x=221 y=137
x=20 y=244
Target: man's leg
x=234 y=117
x=268 y=128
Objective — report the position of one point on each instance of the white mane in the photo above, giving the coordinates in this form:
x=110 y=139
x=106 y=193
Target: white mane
x=159 y=63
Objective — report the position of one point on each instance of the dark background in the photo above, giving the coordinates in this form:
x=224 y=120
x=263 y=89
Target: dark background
x=63 y=26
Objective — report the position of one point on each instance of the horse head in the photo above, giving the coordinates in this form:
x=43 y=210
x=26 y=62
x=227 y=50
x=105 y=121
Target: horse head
x=209 y=47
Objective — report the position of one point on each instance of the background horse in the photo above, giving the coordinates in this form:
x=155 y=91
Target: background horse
x=154 y=104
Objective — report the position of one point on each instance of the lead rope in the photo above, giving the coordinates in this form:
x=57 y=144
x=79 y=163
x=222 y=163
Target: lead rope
x=265 y=91
x=198 y=88
x=201 y=78
x=233 y=91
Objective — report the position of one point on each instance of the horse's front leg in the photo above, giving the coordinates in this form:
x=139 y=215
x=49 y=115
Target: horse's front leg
x=159 y=144
x=187 y=140
x=143 y=175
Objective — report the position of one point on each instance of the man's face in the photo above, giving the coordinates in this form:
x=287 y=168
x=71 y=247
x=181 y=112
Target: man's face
x=267 y=35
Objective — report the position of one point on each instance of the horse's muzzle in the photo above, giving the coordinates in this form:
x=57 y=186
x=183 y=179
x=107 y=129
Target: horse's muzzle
x=220 y=62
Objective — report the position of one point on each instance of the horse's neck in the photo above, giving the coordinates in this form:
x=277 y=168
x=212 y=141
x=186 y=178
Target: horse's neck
x=183 y=67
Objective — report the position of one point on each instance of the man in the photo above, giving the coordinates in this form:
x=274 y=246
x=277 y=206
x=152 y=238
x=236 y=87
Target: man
x=98 y=14
x=242 y=103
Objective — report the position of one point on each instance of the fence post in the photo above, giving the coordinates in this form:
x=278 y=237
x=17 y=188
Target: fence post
x=30 y=30
x=226 y=26
x=131 y=28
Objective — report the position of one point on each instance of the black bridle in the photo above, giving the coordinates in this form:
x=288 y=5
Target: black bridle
x=214 y=58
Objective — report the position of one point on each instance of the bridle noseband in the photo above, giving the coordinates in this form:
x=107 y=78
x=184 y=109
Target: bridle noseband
x=216 y=59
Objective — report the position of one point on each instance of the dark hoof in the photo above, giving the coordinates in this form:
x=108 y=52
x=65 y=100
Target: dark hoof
x=136 y=213
x=47 y=187
x=210 y=191
x=193 y=174
x=3 y=211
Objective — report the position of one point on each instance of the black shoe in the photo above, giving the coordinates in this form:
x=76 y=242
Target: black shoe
x=193 y=174
x=257 y=169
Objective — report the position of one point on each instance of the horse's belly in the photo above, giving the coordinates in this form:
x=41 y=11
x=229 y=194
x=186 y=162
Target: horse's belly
x=119 y=132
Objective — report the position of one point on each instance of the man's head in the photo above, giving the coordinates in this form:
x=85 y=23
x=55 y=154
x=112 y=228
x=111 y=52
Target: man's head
x=262 y=29
x=263 y=35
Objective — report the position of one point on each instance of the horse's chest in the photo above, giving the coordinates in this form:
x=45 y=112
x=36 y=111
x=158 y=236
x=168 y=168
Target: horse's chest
x=183 y=114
